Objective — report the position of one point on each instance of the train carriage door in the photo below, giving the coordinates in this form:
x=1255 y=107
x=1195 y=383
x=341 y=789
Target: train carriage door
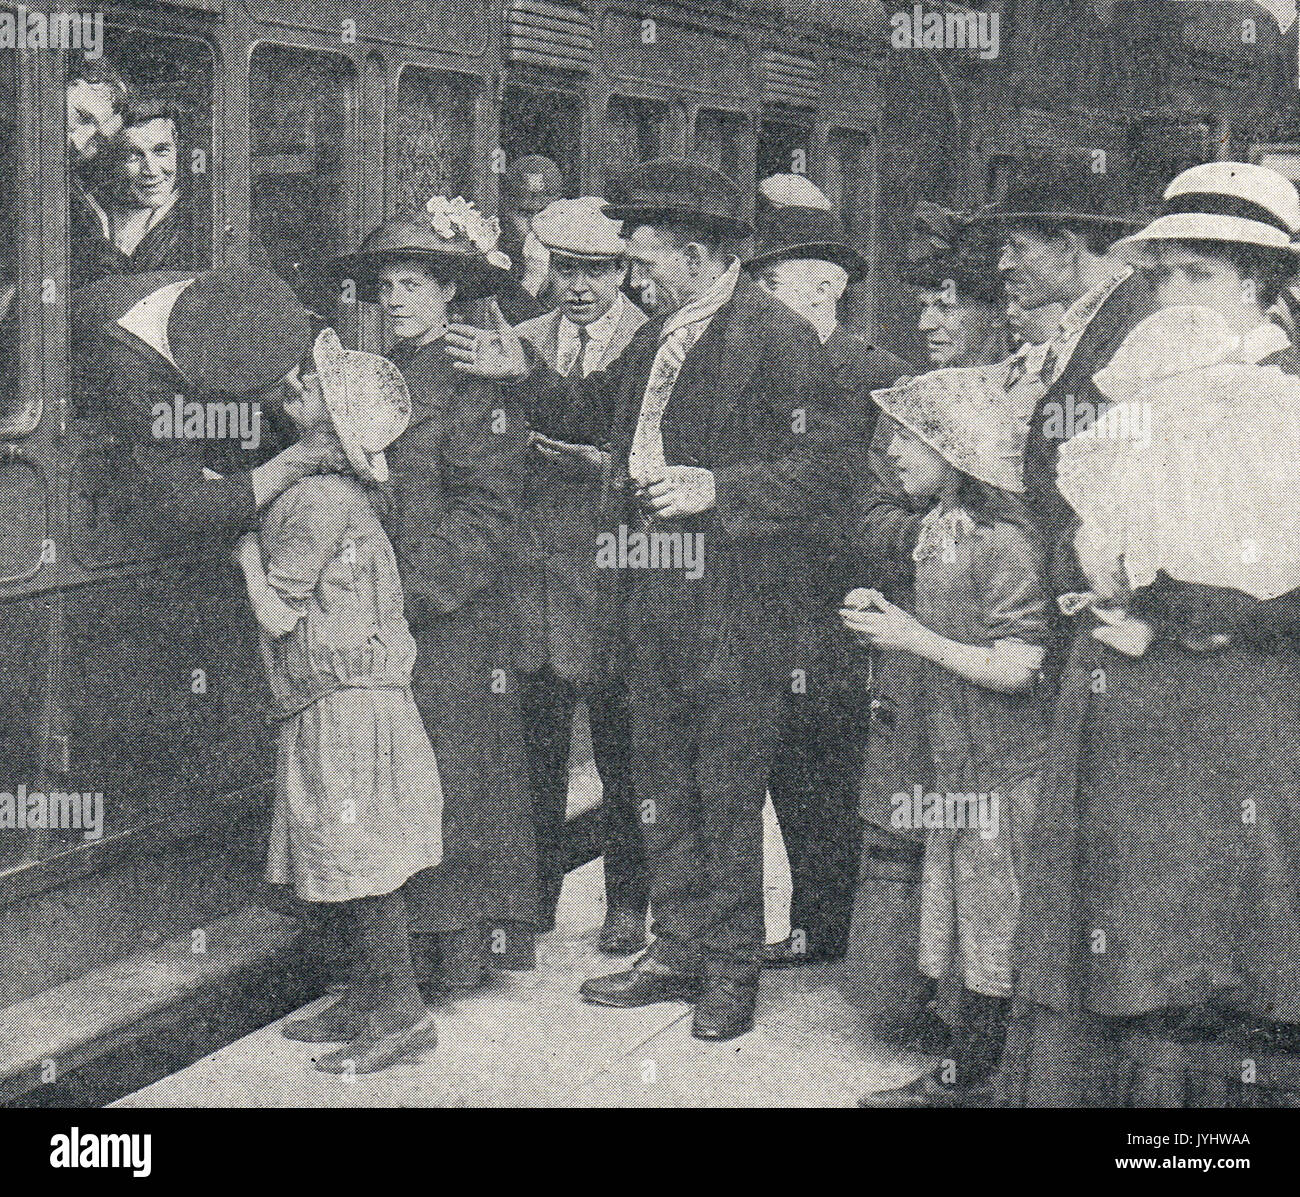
x=848 y=179
x=543 y=120
x=25 y=476
x=784 y=147
x=304 y=170
x=635 y=131
x=432 y=131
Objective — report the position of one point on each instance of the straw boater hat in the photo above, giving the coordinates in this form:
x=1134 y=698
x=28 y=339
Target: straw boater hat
x=968 y=417
x=456 y=242
x=367 y=400
x=1234 y=202
x=579 y=228
x=797 y=232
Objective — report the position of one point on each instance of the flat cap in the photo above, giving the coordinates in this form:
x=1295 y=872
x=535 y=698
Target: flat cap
x=579 y=228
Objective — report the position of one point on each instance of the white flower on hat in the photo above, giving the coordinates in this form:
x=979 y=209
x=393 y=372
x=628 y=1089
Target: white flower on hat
x=458 y=216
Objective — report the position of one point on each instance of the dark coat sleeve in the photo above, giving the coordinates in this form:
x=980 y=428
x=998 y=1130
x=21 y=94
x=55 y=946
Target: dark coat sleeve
x=455 y=485
x=157 y=484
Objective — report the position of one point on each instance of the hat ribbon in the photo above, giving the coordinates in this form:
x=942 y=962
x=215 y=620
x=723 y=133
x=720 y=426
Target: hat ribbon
x=1210 y=203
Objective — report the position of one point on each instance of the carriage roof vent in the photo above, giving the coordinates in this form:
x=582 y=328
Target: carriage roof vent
x=791 y=79
x=552 y=36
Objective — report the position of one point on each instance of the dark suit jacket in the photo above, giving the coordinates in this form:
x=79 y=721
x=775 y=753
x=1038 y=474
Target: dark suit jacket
x=556 y=586
x=746 y=405
x=137 y=496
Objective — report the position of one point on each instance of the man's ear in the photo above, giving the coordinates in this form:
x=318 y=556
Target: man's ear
x=449 y=291
x=694 y=253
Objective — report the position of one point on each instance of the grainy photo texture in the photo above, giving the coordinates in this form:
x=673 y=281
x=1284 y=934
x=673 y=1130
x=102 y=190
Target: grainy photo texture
x=587 y=553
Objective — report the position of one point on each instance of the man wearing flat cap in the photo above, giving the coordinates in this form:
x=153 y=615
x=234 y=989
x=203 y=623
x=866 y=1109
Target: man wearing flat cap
x=802 y=257
x=717 y=446
x=221 y=337
x=558 y=589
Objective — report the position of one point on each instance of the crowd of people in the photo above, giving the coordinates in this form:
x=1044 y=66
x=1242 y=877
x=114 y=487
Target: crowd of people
x=1025 y=606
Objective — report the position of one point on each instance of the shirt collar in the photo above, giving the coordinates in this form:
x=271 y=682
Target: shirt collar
x=148 y=319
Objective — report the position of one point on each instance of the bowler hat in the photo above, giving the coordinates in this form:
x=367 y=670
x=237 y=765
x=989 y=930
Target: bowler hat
x=1063 y=187
x=237 y=331
x=668 y=190
x=530 y=183
x=1236 y=202
x=449 y=254
x=797 y=232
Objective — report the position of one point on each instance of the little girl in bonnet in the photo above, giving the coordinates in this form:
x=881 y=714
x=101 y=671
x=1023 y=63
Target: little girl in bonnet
x=358 y=801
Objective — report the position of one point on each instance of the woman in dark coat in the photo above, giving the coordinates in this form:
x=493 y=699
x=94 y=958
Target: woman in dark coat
x=456 y=478
x=1159 y=960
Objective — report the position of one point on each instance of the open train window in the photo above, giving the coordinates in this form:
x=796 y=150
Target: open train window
x=142 y=183
x=784 y=148
x=719 y=140
x=304 y=169
x=433 y=139
x=19 y=413
x=635 y=131
x=542 y=120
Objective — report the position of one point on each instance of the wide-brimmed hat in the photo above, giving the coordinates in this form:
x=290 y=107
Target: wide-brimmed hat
x=367 y=400
x=1063 y=187
x=945 y=245
x=530 y=183
x=794 y=232
x=665 y=190
x=579 y=228
x=969 y=417
x=1234 y=202
x=445 y=246
x=235 y=331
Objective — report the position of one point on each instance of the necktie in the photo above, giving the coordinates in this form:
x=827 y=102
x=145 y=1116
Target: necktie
x=580 y=362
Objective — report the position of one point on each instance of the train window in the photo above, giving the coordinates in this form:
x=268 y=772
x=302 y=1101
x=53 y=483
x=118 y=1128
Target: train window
x=847 y=181
x=720 y=141
x=143 y=197
x=537 y=120
x=784 y=148
x=304 y=168
x=433 y=139
x=17 y=415
x=635 y=131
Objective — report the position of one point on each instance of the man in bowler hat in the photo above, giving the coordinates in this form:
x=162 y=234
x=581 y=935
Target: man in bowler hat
x=717 y=445
x=803 y=258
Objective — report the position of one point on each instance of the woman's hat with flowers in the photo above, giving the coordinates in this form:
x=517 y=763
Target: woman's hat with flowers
x=456 y=242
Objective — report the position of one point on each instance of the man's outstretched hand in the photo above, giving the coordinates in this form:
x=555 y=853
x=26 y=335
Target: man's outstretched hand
x=493 y=353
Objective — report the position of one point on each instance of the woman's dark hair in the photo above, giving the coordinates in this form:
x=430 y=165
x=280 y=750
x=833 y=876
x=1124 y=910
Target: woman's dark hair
x=1270 y=270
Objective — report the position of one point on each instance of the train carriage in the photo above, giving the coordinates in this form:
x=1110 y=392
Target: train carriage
x=133 y=675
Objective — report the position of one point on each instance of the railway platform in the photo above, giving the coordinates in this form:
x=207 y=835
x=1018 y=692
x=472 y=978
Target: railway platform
x=529 y=1040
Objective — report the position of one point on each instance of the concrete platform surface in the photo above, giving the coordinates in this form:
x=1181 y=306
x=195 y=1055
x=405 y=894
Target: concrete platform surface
x=529 y=1040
